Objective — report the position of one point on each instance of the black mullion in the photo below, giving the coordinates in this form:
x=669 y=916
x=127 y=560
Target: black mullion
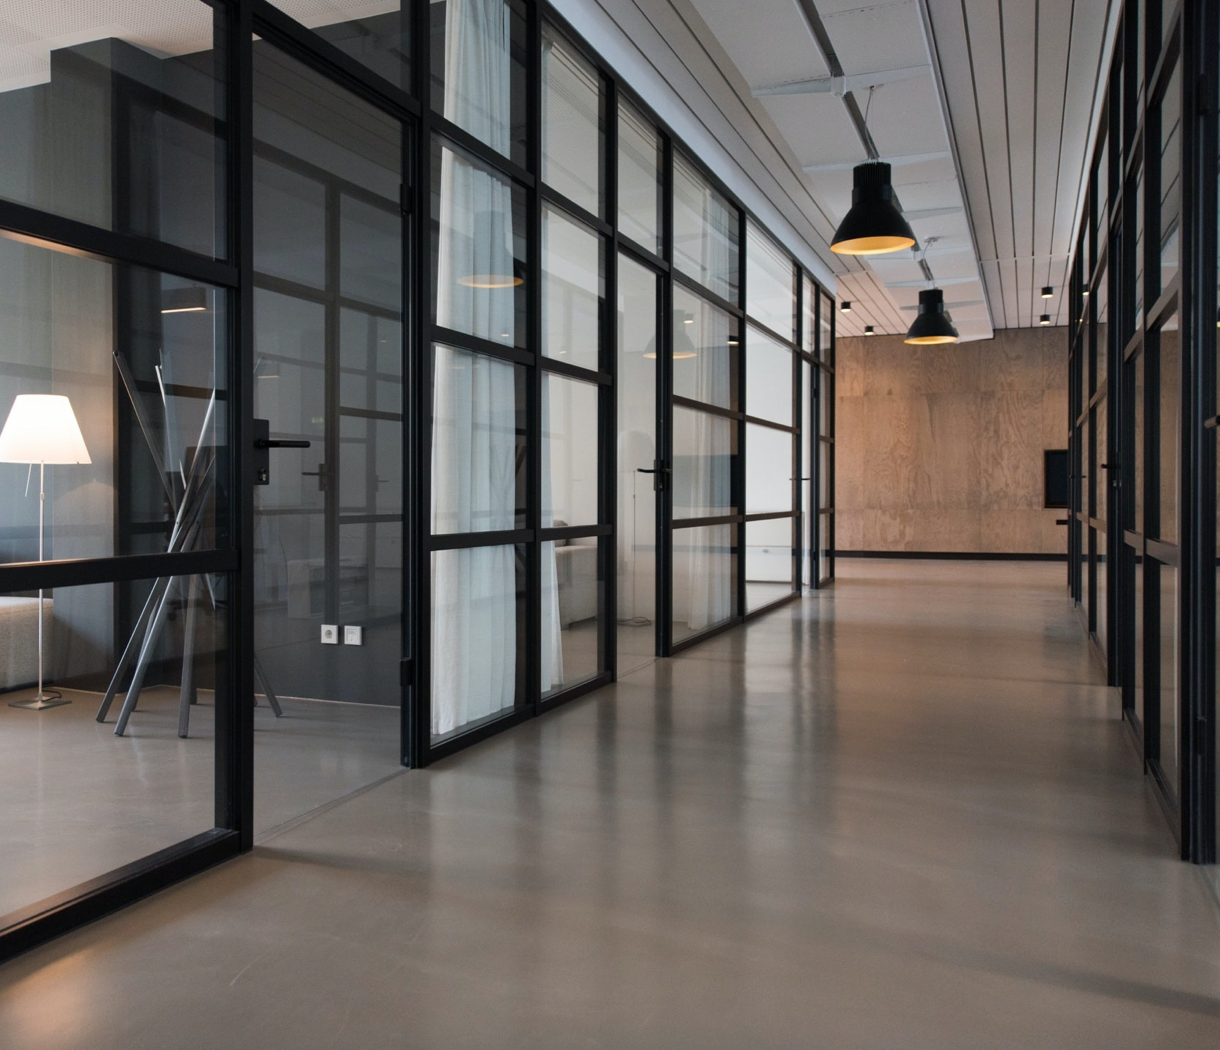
x=785 y=340
x=554 y=199
x=1205 y=34
x=298 y=164
x=234 y=761
x=1197 y=174
x=455 y=541
x=665 y=409
x=608 y=429
x=534 y=323
x=574 y=532
x=371 y=413
x=703 y=406
x=478 y=345
x=738 y=482
x=831 y=415
x=417 y=337
x=79 y=572
x=710 y=520
x=290 y=36
x=638 y=253
x=330 y=466
x=702 y=292
x=563 y=368
x=798 y=405
x=492 y=158
x=56 y=233
x=770 y=424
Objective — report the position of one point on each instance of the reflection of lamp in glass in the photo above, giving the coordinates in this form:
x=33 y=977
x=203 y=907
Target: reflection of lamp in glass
x=491 y=244
x=184 y=300
x=42 y=429
x=684 y=349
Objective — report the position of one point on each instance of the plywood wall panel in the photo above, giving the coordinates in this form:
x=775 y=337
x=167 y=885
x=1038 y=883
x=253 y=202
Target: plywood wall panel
x=941 y=448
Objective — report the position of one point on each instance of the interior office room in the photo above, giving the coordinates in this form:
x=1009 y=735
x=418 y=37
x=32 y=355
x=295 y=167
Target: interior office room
x=528 y=522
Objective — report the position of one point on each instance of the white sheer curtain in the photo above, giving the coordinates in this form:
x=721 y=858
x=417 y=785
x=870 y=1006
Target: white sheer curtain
x=711 y=565
x=474 y=619
x=552 y=642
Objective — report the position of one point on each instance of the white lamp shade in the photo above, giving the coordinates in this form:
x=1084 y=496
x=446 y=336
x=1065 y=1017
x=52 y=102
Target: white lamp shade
x=42 y=428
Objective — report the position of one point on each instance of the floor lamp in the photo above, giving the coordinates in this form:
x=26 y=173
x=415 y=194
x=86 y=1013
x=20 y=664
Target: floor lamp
x=42 y=429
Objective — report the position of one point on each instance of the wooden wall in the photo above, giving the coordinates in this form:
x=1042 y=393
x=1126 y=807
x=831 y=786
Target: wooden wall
x=939 y=448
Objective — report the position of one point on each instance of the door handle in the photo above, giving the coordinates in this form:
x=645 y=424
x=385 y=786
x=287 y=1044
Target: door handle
x=263 y=443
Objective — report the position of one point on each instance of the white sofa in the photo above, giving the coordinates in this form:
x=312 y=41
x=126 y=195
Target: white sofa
x=576 y=572
x=19 y=639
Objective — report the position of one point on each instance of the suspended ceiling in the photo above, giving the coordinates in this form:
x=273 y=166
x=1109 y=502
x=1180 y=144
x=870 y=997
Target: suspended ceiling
x=984 y=108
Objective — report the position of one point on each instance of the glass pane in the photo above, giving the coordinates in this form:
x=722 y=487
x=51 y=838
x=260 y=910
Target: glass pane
x=569 y=452
x=1102 y=322
x=1171 y=148
x=1101 y=472
x=478 y=636
x=1139 y=443
x=573 y=634
x=826 y=548
x=640 y=157
x=124 y=130
x=770 y=283
x=1138 y=641
x=809 y=321
x=705 y=578
x=705 y=351
x=572 y=130
x=381 y=42
x=768 y=561
x=1170 y=742
x=824 y=475
x=82 y=802
x=478 y=72
x=478 y=443
x=328 y=557
x=1139 y=251
x=704 y=449
x=1101 y=176
x=572 y=290
x=114 y=376
x=636 y=381
x=478 y=277
x=806 y=442
x=825 y=394
x=825 y=323
x=768 y=378
x=768 y=469
x=289 y=224
x=1170 y=382
x=706 y=239
x=1102 y=588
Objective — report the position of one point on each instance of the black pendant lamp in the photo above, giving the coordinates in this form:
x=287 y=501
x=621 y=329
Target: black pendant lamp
x=874 y=225
x=931 y=324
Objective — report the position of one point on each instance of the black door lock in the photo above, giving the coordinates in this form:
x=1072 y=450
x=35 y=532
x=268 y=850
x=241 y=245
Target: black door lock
x=263 y=443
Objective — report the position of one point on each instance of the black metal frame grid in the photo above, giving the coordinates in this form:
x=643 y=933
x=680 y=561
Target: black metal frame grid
x=237 y=23
x=1115 y=248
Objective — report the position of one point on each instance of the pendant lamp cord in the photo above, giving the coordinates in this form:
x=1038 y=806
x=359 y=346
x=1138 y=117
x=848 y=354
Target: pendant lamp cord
x=869 y=104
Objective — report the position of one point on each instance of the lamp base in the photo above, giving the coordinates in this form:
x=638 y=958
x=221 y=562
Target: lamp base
x=40 y=702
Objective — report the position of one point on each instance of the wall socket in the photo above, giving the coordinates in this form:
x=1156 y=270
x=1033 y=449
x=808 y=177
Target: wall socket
x=353 y=635
x=330 y=634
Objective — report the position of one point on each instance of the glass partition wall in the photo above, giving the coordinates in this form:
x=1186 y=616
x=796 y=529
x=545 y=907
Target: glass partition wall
x=423 y=382
x=1142 y=548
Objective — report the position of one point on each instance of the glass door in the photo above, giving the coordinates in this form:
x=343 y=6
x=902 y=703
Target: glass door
x=328 y=348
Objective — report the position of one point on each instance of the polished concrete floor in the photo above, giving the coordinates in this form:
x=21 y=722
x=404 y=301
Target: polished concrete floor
x=77 y=802
x=899 y=813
